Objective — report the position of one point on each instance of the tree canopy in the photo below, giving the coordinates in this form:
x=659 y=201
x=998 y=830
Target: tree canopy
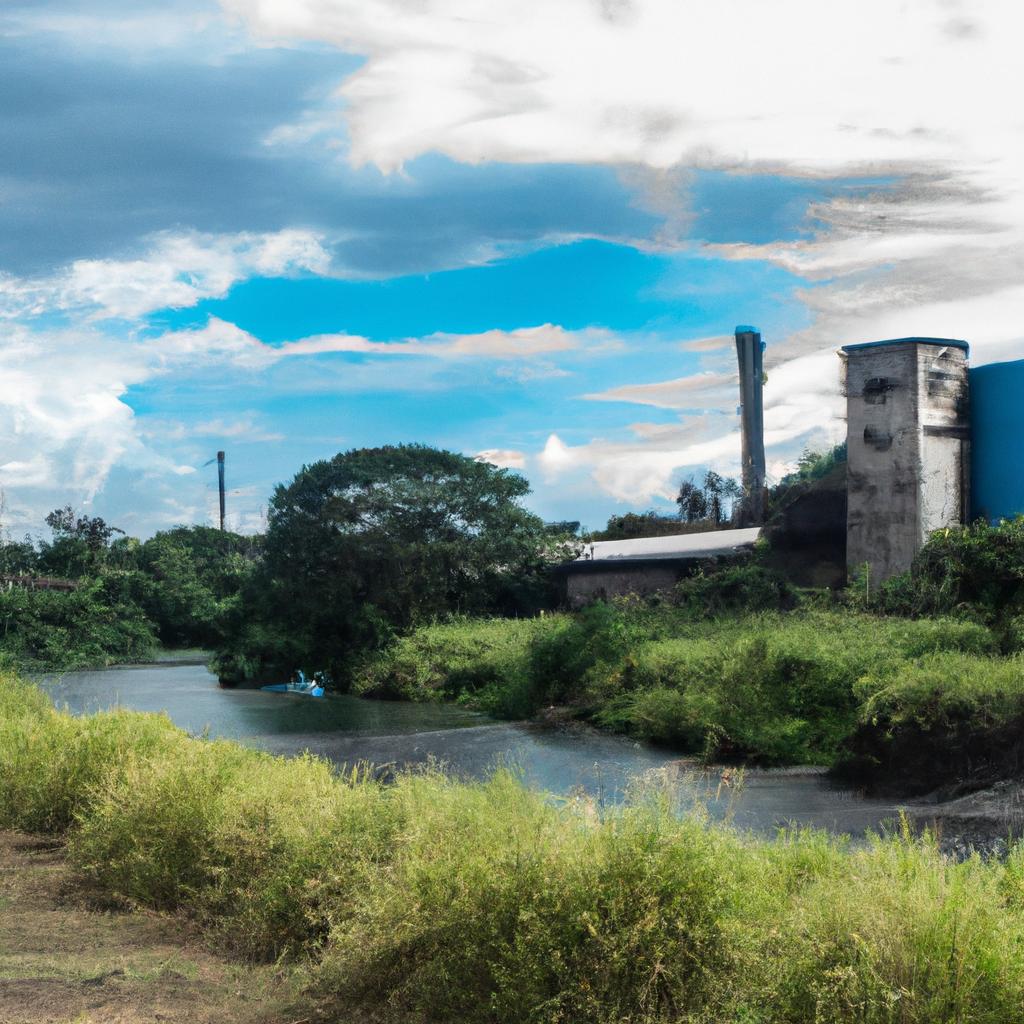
x=377 y=539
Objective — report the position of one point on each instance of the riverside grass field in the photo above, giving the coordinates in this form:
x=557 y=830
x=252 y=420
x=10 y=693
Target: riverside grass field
x=432 y=899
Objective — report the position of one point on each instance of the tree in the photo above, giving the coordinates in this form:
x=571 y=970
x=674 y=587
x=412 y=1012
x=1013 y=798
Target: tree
x=693 y=505
x=377 y=539
x=715 y=500
x=79 y=546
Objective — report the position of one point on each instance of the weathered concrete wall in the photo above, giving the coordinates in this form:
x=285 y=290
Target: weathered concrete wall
x=907 y=436
x=584 y=587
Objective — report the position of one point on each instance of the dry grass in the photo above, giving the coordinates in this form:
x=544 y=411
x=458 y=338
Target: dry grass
x=64 y=958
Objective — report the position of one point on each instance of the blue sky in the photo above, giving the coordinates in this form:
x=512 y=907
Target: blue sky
x=286 y=230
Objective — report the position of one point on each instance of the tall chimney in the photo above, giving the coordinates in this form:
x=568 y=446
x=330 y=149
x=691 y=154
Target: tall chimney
x=220 y=485
x=750 y=354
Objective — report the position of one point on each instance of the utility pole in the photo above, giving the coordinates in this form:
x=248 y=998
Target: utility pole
x=220 y=483
x=750 y=354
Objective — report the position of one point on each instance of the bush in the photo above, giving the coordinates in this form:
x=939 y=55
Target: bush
x=975 y=570
x=91 y=625
x=734 y=589
x=944 y=717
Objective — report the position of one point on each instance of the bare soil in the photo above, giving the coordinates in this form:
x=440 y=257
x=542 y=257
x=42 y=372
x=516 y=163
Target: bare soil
x=64 y=959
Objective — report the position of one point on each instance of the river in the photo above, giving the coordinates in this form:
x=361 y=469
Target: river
x=348 y=729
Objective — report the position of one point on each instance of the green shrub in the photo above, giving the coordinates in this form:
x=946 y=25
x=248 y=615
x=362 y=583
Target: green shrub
x=480 y=661
x=975 y=570
x=92 y=625
x=53 y=767
x=944 y=717
x=734 y=589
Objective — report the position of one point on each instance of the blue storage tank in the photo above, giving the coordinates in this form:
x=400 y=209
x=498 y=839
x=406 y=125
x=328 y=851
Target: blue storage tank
x=997 y=440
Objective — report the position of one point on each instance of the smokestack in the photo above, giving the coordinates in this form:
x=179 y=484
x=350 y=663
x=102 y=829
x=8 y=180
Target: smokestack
x=750 y=354
x=220 y=482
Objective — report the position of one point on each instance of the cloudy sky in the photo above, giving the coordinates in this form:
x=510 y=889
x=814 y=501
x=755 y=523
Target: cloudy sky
x=521 y=228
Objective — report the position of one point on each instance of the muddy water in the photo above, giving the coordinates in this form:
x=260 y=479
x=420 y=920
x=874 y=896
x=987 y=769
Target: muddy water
x=348 y=730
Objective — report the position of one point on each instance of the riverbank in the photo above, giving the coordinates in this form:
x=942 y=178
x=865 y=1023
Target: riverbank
x=66 y=955
x=901 y=705
x=430 y=899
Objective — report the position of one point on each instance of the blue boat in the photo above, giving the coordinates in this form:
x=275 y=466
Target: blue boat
x=302 y=686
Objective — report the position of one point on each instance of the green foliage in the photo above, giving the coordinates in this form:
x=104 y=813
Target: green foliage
x=975 y=570
x=478 y=661
x=940 y=717
x=813 y=465
x=95 y=624
x=733 y=589
x=631 y=525
x=777 y=688
x=431 y=899
x=191 y=574
x=377 y=540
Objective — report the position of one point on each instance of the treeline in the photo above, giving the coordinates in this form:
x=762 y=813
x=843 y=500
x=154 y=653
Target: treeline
x=92 y=596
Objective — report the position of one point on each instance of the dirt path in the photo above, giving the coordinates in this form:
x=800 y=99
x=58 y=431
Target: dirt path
x=63 y=961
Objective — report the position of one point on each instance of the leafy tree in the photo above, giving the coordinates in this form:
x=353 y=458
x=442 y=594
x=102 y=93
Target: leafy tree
x=79 y=546
x=715 y=500
x=693 y=504
x=375 y=540
x=190 y=572
x=17 y=558
x=632 y=525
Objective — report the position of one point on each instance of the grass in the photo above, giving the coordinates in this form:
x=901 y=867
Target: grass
x=778 y=688
x=63 y=958
x=431 y=899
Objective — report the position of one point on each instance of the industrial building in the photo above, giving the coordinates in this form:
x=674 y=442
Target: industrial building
x=931 y=443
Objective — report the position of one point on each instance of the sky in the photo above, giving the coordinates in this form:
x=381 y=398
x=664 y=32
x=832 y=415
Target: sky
x=518 y=229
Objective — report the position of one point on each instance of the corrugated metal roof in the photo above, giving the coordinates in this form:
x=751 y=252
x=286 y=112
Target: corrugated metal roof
x=676 y=547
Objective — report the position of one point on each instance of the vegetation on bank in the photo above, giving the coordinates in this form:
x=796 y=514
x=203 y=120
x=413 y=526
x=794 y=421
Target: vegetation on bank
x=809 y=686
x=118 y=597
x=433 y=899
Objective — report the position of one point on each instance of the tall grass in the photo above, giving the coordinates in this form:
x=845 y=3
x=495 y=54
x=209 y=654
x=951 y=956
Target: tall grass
x=778 y=688
x=431 y=899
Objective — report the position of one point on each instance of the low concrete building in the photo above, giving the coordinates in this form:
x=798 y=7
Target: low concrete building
x=615 y=568
x=908 y=448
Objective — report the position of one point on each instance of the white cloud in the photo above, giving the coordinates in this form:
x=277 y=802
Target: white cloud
x=795 y=83
x=219 y=340
x=699 y=390
x=803 y=407
x=503 y=458
x=174 y=271
x=65 y=422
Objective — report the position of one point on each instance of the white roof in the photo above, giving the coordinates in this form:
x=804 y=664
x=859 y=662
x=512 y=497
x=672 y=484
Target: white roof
x=677 y=546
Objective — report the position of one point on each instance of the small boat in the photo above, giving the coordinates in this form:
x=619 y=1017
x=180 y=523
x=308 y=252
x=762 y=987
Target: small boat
x=302 y=686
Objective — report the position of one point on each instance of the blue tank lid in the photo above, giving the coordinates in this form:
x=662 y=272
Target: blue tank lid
x=944 y=342
x=746 y=329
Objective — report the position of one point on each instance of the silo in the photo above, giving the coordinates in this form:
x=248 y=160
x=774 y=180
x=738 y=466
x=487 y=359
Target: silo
x=908 y=441
x=997 y=441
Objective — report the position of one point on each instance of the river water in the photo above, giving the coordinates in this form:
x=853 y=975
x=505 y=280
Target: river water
x=348 y=730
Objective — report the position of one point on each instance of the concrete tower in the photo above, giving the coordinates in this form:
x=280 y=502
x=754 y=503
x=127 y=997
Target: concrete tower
x=750 y=355
x=908 y=437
